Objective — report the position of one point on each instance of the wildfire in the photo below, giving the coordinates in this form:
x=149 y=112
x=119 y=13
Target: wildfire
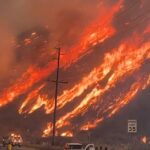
x=117 y=66
x=92 y=35
x=91 y=125
x=46 y=132
x=32 y=95
x=124 y=61
x=67 y=134
x=115 y=107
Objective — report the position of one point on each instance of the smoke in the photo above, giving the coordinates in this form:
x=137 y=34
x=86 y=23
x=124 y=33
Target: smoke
x=63 y=20
x=32 y=28
x=6 y=51
x=59 y=16
x=53 y=21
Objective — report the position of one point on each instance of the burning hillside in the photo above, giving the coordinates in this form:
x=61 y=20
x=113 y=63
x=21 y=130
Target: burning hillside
x=107 y=63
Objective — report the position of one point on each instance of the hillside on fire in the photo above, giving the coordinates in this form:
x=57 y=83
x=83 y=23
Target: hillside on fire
x=104 y=61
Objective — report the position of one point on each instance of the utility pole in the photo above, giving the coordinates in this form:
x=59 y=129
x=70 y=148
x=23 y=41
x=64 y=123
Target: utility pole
x=56 y=95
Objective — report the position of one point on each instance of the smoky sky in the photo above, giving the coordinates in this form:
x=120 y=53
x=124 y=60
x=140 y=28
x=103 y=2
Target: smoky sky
x=63 y=20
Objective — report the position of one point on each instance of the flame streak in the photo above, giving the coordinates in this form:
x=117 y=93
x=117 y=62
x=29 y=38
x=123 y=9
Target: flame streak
x=124 y=68
x=91 y=36
x=67 y=134
x=99 y=73
x=127 y=59
x=47 y=130
x=98 y=32
x=117 y=66
x=116 y=106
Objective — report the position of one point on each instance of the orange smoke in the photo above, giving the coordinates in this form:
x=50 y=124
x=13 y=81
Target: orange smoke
x=47 y=130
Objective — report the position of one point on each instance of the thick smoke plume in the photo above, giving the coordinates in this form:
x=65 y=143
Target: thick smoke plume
x=63 y=20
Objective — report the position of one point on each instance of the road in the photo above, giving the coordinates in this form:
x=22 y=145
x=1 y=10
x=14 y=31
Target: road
x=19 y=148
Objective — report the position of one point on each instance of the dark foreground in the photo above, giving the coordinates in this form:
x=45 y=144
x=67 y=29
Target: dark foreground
x=19 y=148
x=116 y=147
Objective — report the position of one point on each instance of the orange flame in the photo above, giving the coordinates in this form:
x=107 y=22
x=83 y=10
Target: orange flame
x=91 y=36
x=126 y=59
x=67 y=134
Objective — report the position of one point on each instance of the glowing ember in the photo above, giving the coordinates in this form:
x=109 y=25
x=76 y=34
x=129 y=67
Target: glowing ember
x=46 y=132
x=67 y=134
x=144 y=140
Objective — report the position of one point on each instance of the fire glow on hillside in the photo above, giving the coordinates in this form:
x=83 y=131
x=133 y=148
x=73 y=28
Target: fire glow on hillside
x=109 y=86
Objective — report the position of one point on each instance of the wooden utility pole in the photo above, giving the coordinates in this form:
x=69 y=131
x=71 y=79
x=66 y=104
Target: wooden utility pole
x=56 y=95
